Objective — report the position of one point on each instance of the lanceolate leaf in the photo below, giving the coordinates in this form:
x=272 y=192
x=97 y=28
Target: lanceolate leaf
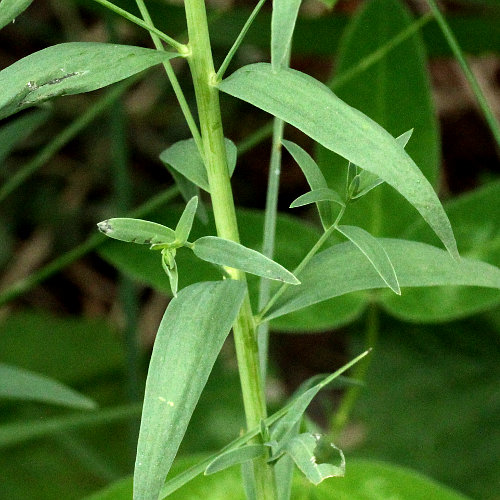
x=234 y=457
x=139 y=231
x=185 y=223
x=184 y=157
x=228 y=253
x=342 y=269
x=312 y=107
x=10 y=9
x=26 y=385
x=301 y=449
x=374 y=252
x=317 y=195
x=189 y=339
x=71 y=68
x=282 y=25
x=315 y=179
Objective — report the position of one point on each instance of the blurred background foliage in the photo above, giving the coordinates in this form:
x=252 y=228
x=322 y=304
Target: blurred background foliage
x=431 y=400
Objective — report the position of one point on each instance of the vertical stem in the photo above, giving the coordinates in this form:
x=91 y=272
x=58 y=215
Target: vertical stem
x=214 y=155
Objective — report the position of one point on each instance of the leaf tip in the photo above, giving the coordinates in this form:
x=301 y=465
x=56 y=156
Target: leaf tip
x=105 y=226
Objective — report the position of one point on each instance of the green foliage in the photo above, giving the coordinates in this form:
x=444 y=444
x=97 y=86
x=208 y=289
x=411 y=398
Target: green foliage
x=188 y=341
x=10 y=9
x=71 y=68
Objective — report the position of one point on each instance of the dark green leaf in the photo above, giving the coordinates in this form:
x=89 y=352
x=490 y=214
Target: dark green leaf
x=228 y=253
x=374 y=252
x=310 y=106
x=10 y=9
x=139 y=231
x=17 y=130
x=315 y=179
x=386 y=94
x=26 y=385
x=301 y=449
x=71 y=68
x=189 y=338
x=282 y=25
x=342 y=269
x=184 y=157
x=234 y=457
x=185 y=223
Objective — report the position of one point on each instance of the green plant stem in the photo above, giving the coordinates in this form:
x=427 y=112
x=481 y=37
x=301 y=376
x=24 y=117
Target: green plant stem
x=189 y=474
x=61 y=139
x=270 y=217
x=239 y=39
x=215 y=159
x=342 y=415
x=186 y=111
x=130 y=17
x=457 y=52
x=24 y=285
x=260 y=318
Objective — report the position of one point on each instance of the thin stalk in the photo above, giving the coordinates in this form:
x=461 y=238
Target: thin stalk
x=66 y=135
x=215 y=158
x=270 y=217
x=24 y=285
x=181 y=98
x=260 y=318
x=239 y=39
x=457 y=52
x=181 y=48
x=360 y=371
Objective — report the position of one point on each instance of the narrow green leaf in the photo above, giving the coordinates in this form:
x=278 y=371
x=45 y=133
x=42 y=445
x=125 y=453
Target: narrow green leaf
x=342 y=269
x=26 y=385
x=366 y=181
x=17 y=130
x=301 y=449
x=189 y=189
x=315 y=179
x=228 y=253
x=313 y=108
x=317 y=195
x=139 y=231
x=382 y=90
x=189 y=338
x=184 y=157
x=283 y=21
x=234 y=457
x=71 y=68
x=170 y=267
x=374 y=252
x=10 y=9
x=185 y=223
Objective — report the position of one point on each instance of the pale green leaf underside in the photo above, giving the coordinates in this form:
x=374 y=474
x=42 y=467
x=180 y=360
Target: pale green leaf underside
x=315 y=179
x=313 y=108
x=374 y=252
x=317 y=195
x=189 y=338
x=342 y=269
x=234 y=457
x=301 y=449
x=185 y=223
x=10 y=9
x=139 y=231
x=228 y=253
x=184 y=157
x=20 y=384
x=283 y=21
x=71 y=68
